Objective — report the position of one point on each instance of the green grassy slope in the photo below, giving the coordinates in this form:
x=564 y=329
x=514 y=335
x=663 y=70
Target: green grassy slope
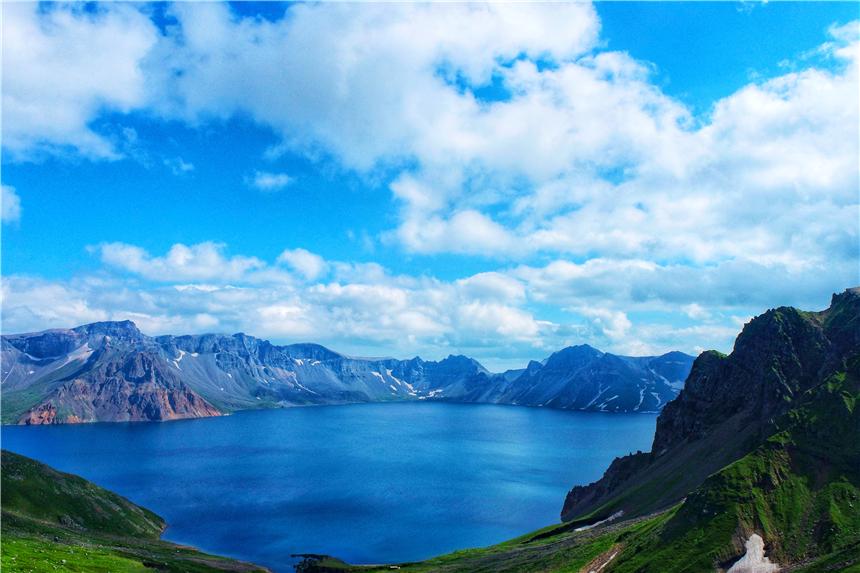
x=800 y=490
x=553 y=549
x=52 y=521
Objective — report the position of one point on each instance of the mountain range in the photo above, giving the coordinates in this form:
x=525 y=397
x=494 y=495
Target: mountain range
x=110 y=371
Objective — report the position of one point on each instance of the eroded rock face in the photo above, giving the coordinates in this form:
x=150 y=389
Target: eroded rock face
x=104 y=371
x=42 y=414
x=728 y=405
x=137 y=388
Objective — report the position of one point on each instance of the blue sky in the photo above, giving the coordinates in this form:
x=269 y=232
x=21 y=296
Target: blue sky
x=494 y=180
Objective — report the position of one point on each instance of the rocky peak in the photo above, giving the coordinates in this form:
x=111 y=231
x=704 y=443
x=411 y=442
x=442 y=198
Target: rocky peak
x=123 y=329
x=777 y=356
x=573 y=356
x=730 y=405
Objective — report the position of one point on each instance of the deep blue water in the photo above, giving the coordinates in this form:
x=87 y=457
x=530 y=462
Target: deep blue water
x=369 y=483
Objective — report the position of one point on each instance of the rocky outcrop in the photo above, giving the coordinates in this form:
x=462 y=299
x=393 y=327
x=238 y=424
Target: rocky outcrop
x=729 y=405
x=135 y=387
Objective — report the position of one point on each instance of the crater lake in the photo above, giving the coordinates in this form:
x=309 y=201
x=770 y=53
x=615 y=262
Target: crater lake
x=369 y=483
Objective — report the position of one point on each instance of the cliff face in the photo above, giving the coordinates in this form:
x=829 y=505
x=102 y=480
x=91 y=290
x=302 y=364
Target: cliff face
x=729 y=406
x=108 y=371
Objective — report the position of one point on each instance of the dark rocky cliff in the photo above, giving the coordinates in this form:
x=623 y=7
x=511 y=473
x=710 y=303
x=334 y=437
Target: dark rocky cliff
x=728 y=406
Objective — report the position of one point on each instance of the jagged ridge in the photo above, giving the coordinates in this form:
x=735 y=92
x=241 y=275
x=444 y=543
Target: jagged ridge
x=110 y=371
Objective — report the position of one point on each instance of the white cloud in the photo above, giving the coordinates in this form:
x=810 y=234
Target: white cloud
x=309 y=264
x=203 y=261
x=585 y=157
x=465 y=232
x=33 y=304
x=493 y=286
x=613 y=324
x=648 y=285
x=65 y=64
x=269 y=182
x=695 y=311
x=605 y=191
x=368 y=82
x=10 y=205
x=500 y=316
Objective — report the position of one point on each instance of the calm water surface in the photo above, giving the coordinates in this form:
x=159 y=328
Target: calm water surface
x=369 y=483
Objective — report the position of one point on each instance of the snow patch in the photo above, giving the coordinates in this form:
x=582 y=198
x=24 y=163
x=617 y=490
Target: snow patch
x=600 y=391
x=754 y=561
x=612 y=517
x=176 y=361
x=305 y=388
x=641 y=398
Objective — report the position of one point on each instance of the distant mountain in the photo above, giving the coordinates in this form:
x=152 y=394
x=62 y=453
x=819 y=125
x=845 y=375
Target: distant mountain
x=110 y=371
x=584 y=378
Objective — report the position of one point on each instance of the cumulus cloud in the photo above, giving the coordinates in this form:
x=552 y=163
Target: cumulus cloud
x=62 y=66
x=309 y=264
x=613 y=324
x=34 y=304
x=586 y=156
x=504 y=317
x=375 y=312
x=582 y=157
x=10 y=205
x=200 y=262
x=367 y=82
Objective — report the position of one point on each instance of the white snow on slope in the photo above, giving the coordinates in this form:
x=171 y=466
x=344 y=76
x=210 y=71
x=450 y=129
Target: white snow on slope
x=754 y=561
x=612 y=517
x=176 y=361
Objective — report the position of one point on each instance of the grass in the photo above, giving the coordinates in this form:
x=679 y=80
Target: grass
x=22 y=554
